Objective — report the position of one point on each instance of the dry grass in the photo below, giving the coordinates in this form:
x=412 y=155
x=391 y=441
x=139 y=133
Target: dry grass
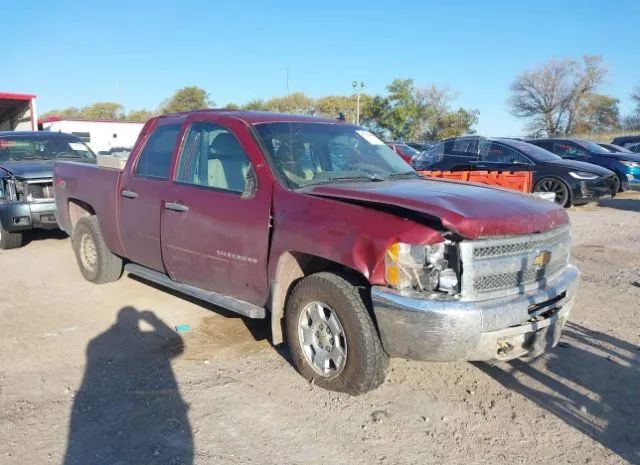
x=604 y=137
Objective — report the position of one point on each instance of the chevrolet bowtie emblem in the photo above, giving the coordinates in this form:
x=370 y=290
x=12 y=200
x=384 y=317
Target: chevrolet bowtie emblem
x=542 y=259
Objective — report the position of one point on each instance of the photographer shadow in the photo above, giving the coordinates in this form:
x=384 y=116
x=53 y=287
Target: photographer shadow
x=590 y=383
x=128 y=409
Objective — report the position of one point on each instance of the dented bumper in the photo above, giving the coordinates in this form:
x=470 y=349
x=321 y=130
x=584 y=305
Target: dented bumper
x=446 y=329
x=22 y=216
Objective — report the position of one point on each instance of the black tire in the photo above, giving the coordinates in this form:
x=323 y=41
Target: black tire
x=366 y=362
x=103 y=267
x=10 y=240
x=620 y=186
x=563 y=194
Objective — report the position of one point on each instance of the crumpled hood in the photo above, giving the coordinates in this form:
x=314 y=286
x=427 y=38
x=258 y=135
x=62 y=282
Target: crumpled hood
x=470 y=210
x=29 y=169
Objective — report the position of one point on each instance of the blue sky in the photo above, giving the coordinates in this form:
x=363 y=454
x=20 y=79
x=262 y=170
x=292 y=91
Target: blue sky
x=137 y=52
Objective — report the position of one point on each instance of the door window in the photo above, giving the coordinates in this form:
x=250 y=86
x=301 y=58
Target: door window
x=155 y=158
x=569 y=150
x=212 y=157
x=498 y=153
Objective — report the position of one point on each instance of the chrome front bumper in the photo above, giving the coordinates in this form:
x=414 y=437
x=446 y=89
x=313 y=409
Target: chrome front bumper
x=444 y=329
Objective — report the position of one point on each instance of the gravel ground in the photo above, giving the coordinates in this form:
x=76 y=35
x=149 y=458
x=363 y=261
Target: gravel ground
x=97 y=375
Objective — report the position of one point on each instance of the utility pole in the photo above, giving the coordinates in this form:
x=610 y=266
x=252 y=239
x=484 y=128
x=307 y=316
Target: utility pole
x=357 y=90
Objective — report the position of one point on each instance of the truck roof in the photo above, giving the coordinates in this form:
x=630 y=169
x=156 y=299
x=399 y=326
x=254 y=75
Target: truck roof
x=257 y=117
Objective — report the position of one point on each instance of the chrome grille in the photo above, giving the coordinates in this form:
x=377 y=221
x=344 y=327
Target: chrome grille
x=509 y=265
x=516 y=247
x=500 y=281
x=41 y=190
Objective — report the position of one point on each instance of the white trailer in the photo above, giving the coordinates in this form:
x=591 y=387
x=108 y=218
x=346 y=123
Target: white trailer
x=100 y=135
x=17 y=112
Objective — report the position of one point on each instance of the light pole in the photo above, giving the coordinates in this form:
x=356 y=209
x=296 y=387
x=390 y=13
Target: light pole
x=357 y=90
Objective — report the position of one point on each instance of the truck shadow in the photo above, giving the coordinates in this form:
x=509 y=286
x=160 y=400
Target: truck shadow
x=259 y=329
x=129 y=408
x=590 y=382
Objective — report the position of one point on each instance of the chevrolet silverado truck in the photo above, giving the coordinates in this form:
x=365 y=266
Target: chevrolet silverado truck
x=26 y=184
x=316 y=225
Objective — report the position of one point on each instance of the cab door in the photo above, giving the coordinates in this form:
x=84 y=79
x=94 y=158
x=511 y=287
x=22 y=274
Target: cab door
x=141 y=194
x=216 y=217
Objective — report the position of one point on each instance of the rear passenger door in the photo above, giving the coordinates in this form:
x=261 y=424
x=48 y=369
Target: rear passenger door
x=142 y=189
x=215 y=220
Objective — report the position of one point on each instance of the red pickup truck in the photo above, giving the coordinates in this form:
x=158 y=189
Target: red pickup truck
x=317 y=225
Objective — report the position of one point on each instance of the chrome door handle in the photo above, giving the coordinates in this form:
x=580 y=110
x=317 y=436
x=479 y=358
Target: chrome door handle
x=176 y=207
x=129 y=194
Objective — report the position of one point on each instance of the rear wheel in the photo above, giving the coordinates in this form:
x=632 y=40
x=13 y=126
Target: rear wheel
x=9 y=240
x=97 y=263
x=556 y=187
x=331 y=335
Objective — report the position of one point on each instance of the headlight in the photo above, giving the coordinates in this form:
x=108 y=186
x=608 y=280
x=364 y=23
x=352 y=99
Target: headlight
x=630 y=164
x=583 y=175
x=419 y=267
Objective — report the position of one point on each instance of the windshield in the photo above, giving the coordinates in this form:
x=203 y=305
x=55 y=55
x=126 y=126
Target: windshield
x=615 y=148
x=319 y=153
x=593 y=147
x=408 y=150
x=18 y=147
x=530 y=150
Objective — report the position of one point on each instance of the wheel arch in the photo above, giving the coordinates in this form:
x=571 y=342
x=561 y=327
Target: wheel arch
x=78 y=209
x=292 y=267
x=560 y=179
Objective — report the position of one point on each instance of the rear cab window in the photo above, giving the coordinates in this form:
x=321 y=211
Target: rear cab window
x=155 y=159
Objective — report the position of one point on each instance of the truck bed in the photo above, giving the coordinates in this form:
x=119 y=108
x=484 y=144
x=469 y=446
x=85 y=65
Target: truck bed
x=89 y=185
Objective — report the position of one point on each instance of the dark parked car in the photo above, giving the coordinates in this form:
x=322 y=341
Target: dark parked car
x=626 y=141
x=420 y=146
x=26 y=186
x=404 y=150
x=573 y=182
x=625 y=165
x=615 y=148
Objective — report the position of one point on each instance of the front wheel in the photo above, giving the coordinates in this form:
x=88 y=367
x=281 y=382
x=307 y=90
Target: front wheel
x=559 y=188
x=9 y=240
x=331 y=335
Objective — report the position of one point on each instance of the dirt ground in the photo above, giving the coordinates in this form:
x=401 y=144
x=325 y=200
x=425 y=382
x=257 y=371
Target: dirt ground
x=98 y=375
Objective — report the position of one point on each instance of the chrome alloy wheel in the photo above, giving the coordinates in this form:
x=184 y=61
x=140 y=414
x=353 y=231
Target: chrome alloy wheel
x=322 y=339
x=88 y=253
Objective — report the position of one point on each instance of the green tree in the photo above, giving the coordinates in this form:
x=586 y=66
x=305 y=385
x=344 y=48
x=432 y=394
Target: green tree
x=296 y=103
x=70 y=112
x=139 y=115
x=410 y=113
x=332 y=105
x=257 y=104
x=103 y=110
x=232 y=106
x=186 y=99
x=597 y=113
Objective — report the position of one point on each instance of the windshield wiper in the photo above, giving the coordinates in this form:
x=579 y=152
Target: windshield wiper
x=370 y=177
x=70 y=156
x=411 y=174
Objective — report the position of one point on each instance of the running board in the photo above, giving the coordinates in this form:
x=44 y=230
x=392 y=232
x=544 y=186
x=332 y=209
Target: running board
x=229 y=303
